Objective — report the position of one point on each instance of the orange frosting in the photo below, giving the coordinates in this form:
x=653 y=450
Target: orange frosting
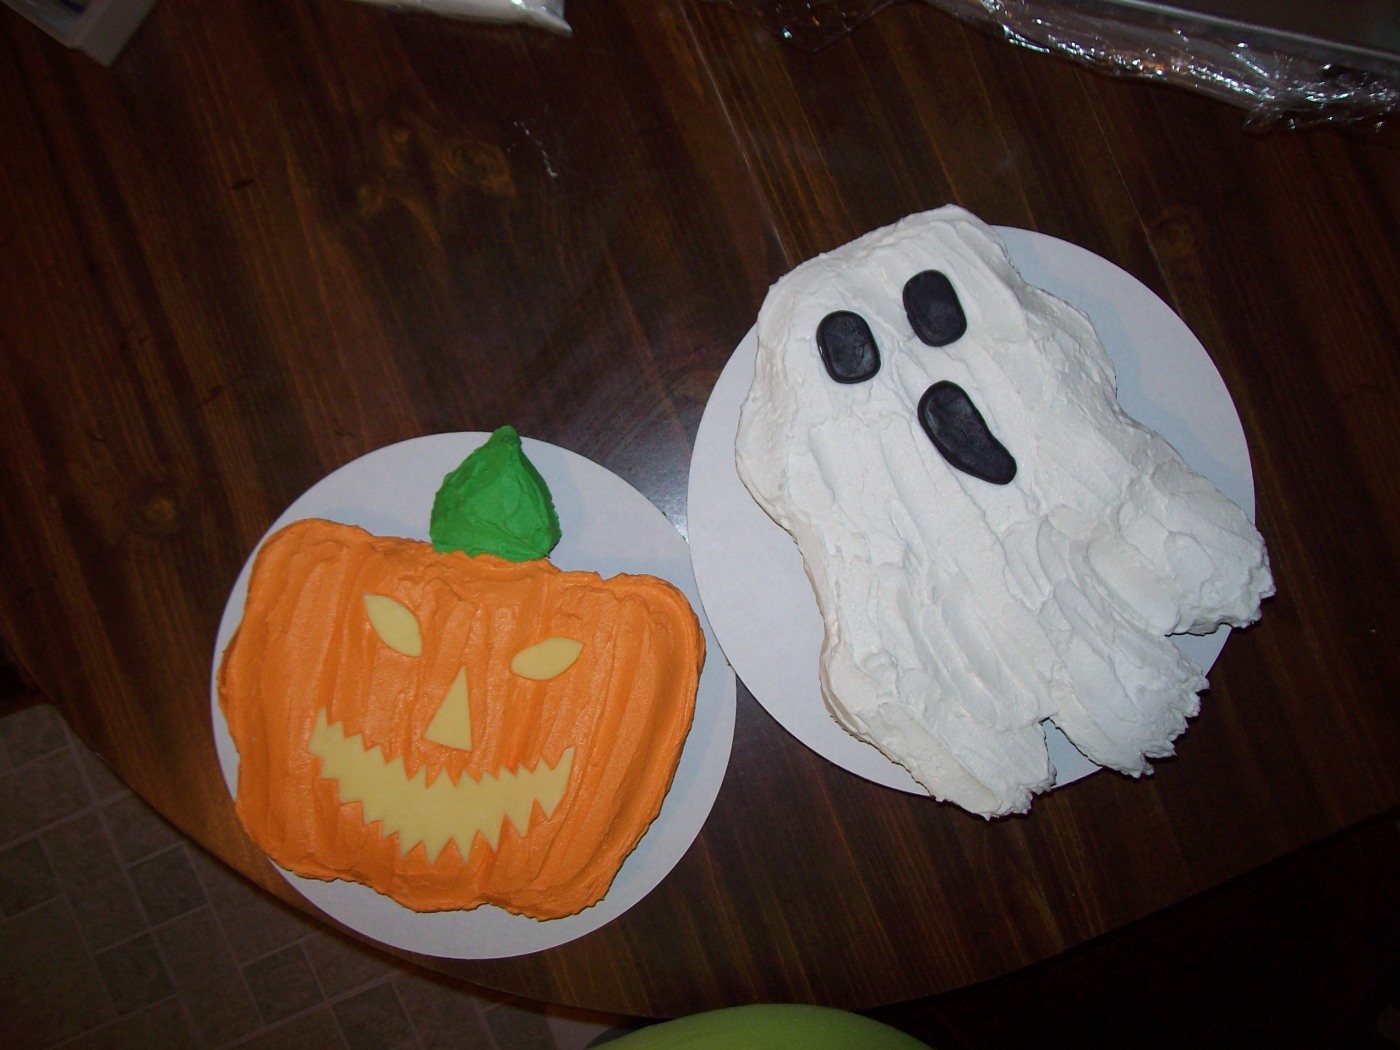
x=616 y=717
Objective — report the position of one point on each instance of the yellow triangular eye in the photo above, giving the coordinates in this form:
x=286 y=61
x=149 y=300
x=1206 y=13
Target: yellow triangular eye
x=396 y=626
x=547 y=659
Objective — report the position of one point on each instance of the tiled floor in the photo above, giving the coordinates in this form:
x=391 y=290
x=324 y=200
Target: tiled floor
x=117 y=932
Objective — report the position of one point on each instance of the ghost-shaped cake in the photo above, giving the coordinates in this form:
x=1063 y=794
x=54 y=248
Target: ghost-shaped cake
x=992 y=541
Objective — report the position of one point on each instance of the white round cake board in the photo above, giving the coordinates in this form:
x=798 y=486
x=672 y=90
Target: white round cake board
x=750 y=572
x=609 y=528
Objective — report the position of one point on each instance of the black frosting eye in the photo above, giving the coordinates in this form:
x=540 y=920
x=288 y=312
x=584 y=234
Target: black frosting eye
x=959 y=432
x=848 y=347
x=931 y=304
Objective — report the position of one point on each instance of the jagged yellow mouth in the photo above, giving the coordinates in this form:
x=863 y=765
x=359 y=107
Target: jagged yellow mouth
x=443 y=811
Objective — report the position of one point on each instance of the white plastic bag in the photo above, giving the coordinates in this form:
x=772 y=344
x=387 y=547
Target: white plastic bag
x=547 y=14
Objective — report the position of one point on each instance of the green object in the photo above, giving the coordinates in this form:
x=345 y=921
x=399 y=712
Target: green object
x=769 y=1027
x=495 y=503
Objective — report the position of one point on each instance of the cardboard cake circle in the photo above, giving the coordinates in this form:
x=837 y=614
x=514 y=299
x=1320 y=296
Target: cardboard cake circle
x=608 y=528
x=750 y=573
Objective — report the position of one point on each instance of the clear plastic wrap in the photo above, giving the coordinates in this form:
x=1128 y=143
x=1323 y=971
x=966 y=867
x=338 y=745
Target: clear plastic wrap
x=1274 y=86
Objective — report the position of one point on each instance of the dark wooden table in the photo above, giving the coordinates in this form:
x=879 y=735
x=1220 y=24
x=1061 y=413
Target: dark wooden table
x=275 y=237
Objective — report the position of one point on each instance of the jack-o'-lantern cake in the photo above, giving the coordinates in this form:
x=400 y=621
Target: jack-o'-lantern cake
x=457 y=723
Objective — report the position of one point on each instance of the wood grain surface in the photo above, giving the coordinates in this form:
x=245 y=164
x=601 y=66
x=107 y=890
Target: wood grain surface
x=274 y=237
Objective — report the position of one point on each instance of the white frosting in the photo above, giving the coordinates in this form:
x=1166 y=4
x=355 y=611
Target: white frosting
x=960 y=614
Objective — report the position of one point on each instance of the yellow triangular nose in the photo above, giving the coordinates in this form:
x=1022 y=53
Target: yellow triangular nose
x=452 y=725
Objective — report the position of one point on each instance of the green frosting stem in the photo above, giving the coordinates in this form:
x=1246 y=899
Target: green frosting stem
x=495 y=503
